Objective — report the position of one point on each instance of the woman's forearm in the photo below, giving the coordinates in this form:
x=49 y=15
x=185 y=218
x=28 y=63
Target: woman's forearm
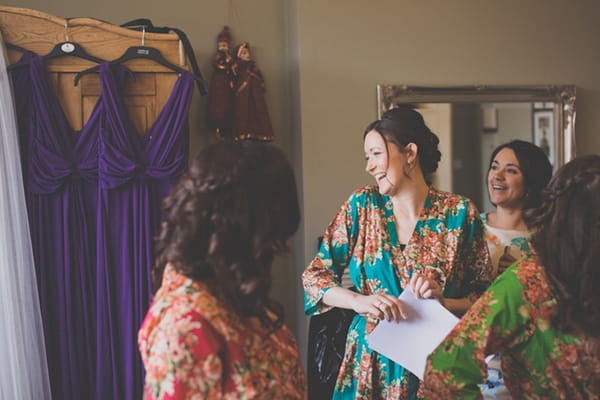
x=340 y=297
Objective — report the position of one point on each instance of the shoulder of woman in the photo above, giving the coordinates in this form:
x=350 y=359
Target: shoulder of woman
x=174 y=312
x=521 y=271
x=449 y=199
x=527 y=281
x=363 y=197
x=172 y=280
x=188 y=294
x=364 y=193
x=366 y=190
x=529 y=267
x=442 y=194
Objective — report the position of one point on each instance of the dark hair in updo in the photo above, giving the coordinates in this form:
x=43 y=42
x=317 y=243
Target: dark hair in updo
x=226 y=219
x=566 y=239
x=404 y=125
x=534 y=166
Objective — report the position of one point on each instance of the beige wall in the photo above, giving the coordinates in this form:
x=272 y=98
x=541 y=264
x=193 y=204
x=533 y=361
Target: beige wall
x=347 y=47
x=323 y=59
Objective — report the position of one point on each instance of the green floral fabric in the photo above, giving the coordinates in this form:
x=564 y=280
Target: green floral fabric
x=513 y=319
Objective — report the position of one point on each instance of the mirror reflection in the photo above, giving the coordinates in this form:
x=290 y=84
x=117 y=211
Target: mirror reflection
x=472 y=121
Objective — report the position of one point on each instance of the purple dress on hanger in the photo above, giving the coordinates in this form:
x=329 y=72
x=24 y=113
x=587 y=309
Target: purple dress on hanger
x=60 y=173
x=135 y=173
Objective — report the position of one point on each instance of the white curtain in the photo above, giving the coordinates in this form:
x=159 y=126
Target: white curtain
x=23 y=367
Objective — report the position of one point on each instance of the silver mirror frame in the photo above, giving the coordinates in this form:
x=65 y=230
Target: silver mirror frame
x=563 y=97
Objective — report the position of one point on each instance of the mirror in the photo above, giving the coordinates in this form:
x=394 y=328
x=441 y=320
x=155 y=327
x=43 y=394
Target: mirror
x=471 y=121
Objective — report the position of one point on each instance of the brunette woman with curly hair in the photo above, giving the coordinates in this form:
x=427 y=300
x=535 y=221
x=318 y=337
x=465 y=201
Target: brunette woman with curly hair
x=212 y=331
x=542 y=315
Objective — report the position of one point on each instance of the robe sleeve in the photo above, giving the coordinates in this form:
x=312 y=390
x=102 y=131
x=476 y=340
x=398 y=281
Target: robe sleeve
x=326 y=269
x=474 y=257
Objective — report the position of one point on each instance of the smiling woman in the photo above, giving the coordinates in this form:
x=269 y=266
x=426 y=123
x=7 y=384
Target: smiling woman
x=518 y=171
x=387 y=164
x=505 y=180
x=401 y=232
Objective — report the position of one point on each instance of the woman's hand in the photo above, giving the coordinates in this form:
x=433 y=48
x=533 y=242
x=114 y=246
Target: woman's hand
x=380 y=306
x=425 y=288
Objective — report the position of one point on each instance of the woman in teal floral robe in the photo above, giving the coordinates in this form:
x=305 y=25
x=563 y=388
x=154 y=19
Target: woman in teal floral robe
x=385 y=234
x=447 y=245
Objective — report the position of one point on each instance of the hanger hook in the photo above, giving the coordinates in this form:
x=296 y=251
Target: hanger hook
x=66 y=30
x=143 y=35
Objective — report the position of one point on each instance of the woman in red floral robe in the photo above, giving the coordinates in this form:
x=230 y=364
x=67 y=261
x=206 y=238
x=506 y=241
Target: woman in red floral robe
x=212 y=331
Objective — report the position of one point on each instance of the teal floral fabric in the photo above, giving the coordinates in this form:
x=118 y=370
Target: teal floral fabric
x=447 y=245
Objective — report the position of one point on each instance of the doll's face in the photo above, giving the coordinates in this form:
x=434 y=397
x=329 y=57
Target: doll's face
x=244 y=54
x=223 y=46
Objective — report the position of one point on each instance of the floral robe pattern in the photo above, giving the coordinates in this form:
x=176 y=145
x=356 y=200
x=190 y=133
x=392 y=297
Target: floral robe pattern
x=497 y=239
x=447 y=244
x=513 y=318
x=195 y=348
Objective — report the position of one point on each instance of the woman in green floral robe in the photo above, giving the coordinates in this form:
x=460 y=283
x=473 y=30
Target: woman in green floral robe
x=382 y=251
x=541 y=315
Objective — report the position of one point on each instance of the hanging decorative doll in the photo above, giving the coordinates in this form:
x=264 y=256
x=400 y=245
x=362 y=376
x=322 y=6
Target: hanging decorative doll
x=250 y=116
x=220 y=91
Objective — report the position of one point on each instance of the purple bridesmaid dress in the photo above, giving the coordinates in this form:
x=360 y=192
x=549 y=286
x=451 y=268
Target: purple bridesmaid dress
x=93 y=199
x=61 y=180
x=135 y=173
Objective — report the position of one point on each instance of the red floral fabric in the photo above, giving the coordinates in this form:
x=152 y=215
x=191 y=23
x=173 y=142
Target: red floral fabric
x=193 y=347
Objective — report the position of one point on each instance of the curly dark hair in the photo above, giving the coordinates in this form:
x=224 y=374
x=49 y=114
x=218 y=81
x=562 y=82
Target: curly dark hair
x=226 y=219
x=567 y=241
x=534 y=166
x=403 y=125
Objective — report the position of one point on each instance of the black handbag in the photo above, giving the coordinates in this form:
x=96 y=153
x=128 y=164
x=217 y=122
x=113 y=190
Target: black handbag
x=326 y=346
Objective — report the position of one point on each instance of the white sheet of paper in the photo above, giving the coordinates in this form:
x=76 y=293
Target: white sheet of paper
x=410 y=341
